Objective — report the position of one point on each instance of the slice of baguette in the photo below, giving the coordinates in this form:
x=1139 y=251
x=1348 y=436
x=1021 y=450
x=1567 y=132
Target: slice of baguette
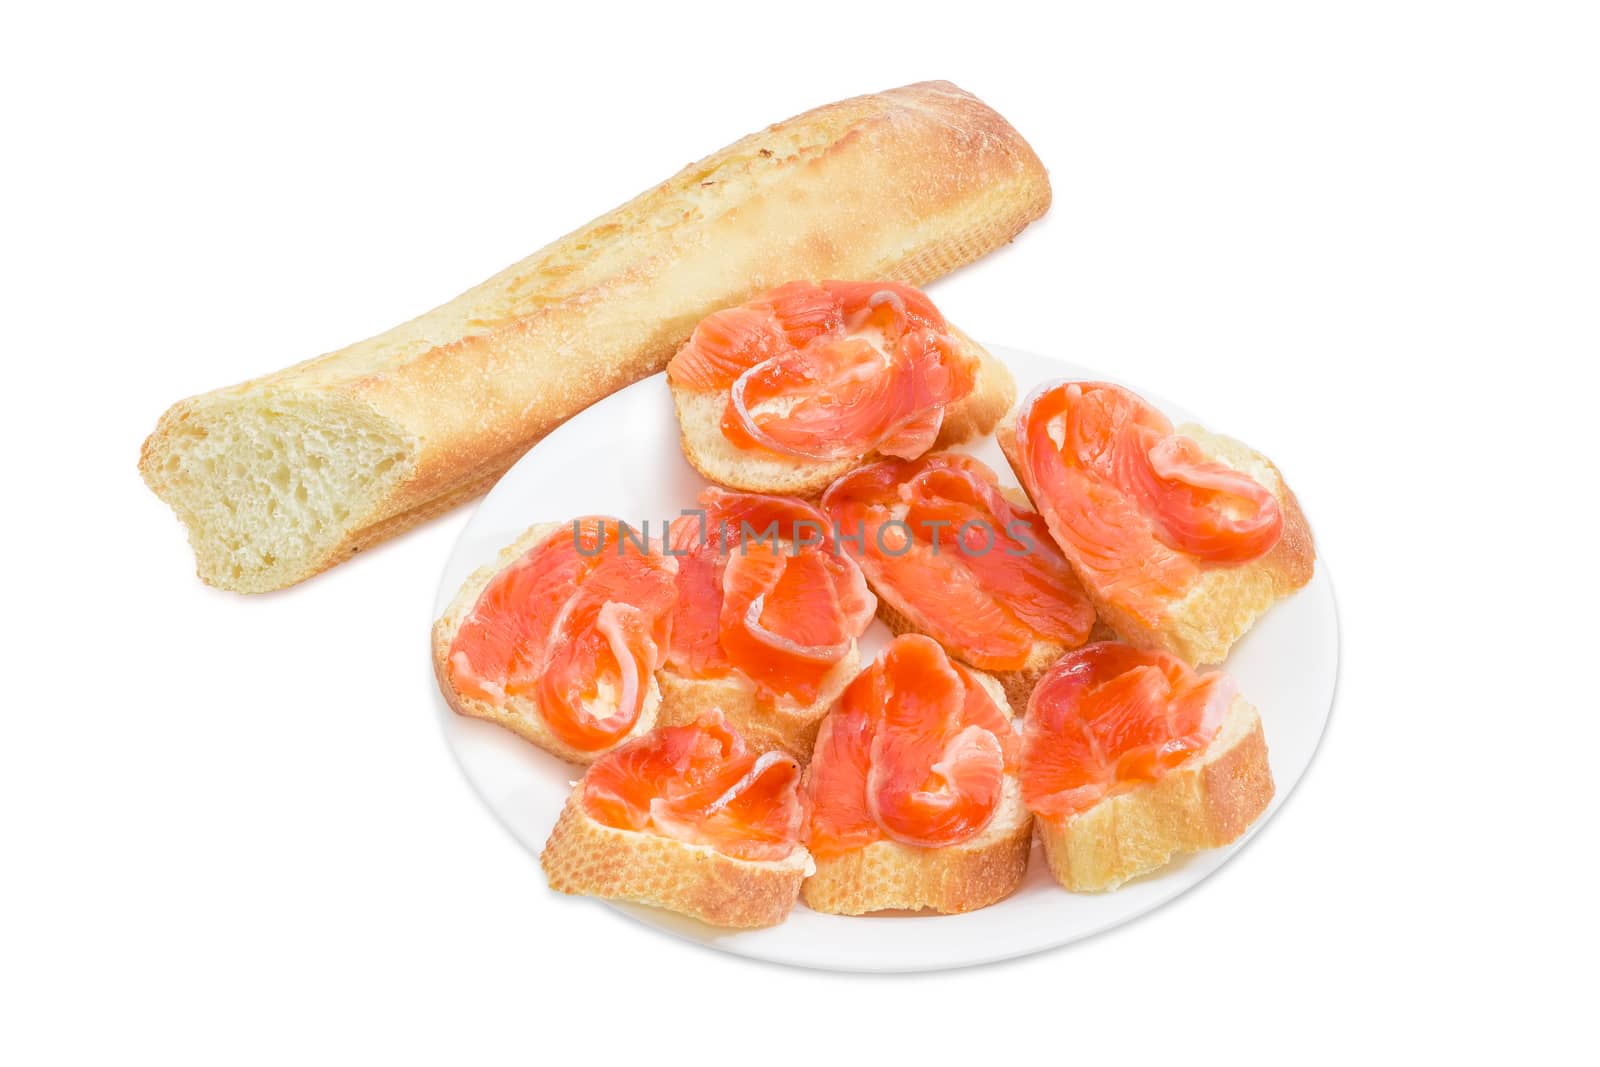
x=765 y=723
x=1202 y=625
x=1206 y=803
x=520 y=715
x=755 y=470
x=587 y=857
x=284 y=476
x=889 y=876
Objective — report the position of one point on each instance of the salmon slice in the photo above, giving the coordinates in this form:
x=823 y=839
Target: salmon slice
x=916 y=751
x=579 y=624
x=945 y=547
x=829 y=370
x=1110 y=717
x=1138 y=509
x=763 y=591
x=700 y=784
x=841 y=819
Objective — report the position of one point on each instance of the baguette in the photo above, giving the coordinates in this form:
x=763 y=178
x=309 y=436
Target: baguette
x=1220 y=607
x=283 y=476
x=1204 y=804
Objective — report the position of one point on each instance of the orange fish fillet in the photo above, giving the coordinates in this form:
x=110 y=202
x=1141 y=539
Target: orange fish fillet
x=942 y=544
x=700 y=784
x=579 y=624
x=762 y=590
x=829 y=370
x=916 y=751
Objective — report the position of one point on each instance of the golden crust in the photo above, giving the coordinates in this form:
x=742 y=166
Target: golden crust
x=585 y=857
x=889 y=876
x=709 y=452
x=907 y=184
x=521 y=716
x=1205 y=804
x=1221 y=607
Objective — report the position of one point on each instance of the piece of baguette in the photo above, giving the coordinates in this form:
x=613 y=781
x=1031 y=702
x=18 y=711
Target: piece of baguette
x=1205 y=803
x=714 y=456
x=1222 y=605
x=520 y=715
x=284 y=476
x=765 y=724
x=889 y=876
x=587 y=857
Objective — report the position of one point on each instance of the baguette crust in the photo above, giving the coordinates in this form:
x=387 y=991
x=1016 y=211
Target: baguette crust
x=1204 y=804
x=520 y=716
x=283 y=476
x=720 y=461
x=1202 y=625
x=765 y=725
x=887 y=876
x=587 y=857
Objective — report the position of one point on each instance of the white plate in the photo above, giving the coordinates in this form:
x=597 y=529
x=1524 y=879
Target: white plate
x=621 y=457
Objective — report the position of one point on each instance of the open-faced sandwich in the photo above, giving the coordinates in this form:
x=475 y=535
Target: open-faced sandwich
x=560 y=637
x=1182 y=538
x=766 y=619
x=789 y=391
x=687 y=818
x=1129 y=758
x=914 y=791
x=952 y=555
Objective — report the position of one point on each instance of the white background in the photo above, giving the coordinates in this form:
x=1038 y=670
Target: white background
x=1363 y=237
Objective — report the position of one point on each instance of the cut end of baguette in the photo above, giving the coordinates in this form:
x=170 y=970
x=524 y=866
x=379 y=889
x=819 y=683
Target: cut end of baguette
x=519 y=715
x=1202 y=626
x=271 y=488
x=586 y=857
x=1204 y=804
x=765 y=725
x=758 y=471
